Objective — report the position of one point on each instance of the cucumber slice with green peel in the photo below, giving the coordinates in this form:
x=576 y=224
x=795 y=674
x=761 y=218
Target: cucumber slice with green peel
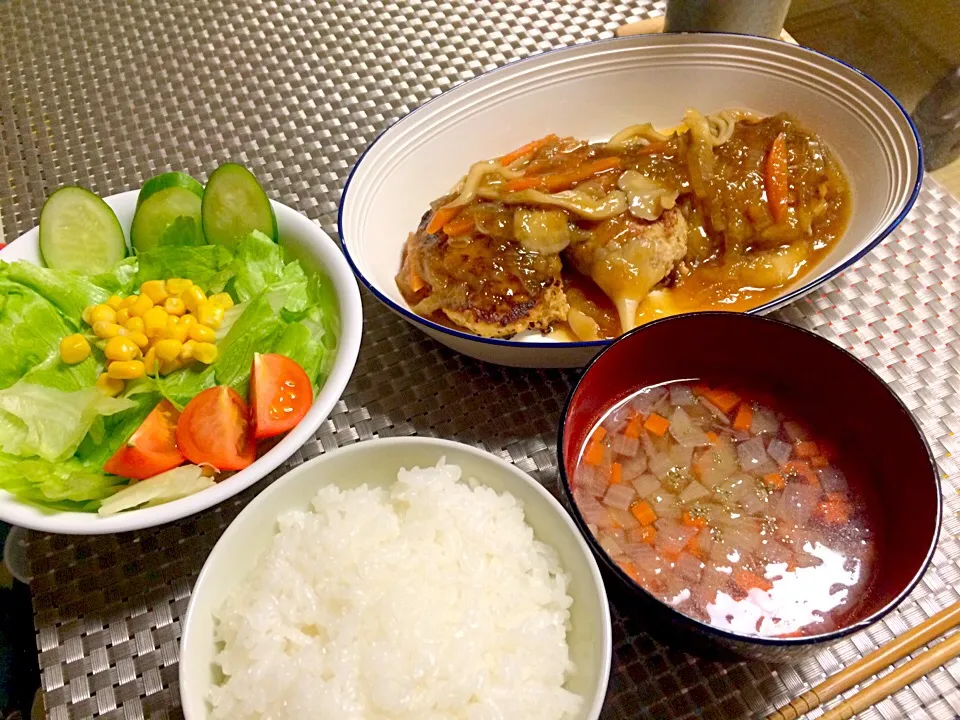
x=234 y=205
x=159 y=211
x=79 y=231
x=169 y=180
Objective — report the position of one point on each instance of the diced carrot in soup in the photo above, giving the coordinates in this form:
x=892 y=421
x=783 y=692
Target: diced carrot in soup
x=634 y=427
x=807 y=449
x=744 y=417
x=643 y=512
x=594 y=453
x=616 y=474
x=657 y=424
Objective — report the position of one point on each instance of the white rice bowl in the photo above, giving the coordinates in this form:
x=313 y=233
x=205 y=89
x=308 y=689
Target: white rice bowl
x=427 y=599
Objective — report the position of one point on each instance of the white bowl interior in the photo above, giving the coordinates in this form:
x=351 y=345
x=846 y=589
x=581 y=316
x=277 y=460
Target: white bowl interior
x=376 y=463
x=315 y=248
x=592 y=91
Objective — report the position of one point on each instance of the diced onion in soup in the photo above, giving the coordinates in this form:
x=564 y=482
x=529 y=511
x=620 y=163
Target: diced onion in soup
x=660 y=464
x=673 y=536
x=797 y=503
x=610 y=546
x=625 y=518
x=764 y=422
x=689 y=567
x=693 y=491
x=832 y=480
x=682 y=457
x=635 y=466
x=666 y=505
x=593 y=512
x=685 y=432
x=619 y=496
x=590 y=479
x=795 y=431
x=644 y=402
x=646 y=485
x=717 y=413
x=780 y=451
x=682 y=395
x=751 y=454
x=626 y=446
x=716 y=464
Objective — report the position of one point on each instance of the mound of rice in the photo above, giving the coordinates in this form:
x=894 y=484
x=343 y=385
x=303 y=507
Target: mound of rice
x=427 y=600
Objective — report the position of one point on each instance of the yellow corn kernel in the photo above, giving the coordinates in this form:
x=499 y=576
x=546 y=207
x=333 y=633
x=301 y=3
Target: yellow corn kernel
x=150 y=362
x=205 y=352
x=126 y=369
x=201 y=333
x=106 y=330
x=186 y=352
x=174 y=306
x=140 y=307
x=123 y=315
x=102 y=312
x=121 y=348
x=154 y=321
x=156 y=290
x=74 y=349
x=109 y=386
x=175 y=286
x=115 y=301
x=168 y=367
x=168 y=349
x=128 y=302
x=134 y=324
x=188 y=321
x=192 y=297
x=139 y=339
x=222 y=299
x=210 y=315
x=175 y=332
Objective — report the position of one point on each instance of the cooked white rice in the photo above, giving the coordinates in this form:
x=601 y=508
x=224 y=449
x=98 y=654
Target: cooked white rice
x=427 y=600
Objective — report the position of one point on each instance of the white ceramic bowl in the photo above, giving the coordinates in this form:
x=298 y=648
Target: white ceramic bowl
x=376 y=463
x=592 y=91
x=314 y=248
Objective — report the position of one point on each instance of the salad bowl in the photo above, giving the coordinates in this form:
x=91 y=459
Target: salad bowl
x=304 y=241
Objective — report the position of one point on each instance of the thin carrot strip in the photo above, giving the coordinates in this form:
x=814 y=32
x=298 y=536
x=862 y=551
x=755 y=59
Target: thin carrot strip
x=744 y=417
x=775 y=179
x=566 y=180
x=460 y=225
x=441 y=217
x=416 y=282
x=523 y=183
x=528 y=149
x=657 y=424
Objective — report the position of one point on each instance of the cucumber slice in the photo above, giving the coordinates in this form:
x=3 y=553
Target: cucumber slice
x=158 y=212
x=234 y=205
x=79 y=231
x=169 y=180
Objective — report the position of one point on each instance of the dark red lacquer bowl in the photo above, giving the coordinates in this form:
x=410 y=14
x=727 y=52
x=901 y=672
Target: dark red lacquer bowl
x=822 y=384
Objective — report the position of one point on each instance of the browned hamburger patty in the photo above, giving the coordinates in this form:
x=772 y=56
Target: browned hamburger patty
x=489 y=286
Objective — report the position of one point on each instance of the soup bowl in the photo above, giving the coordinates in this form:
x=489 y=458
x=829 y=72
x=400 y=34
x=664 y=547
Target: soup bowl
x=591 y=92
x=823 y=386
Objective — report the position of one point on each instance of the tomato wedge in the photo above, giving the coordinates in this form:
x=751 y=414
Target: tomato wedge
x=152 y=449
x=280 y=394
x=214 y=429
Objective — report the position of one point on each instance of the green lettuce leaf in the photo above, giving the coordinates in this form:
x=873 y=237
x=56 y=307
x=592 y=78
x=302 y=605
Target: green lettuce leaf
x=258 y=263
x=109 y=432
x=31 y=328
x=254 y=331
x=120 y=278
x=209 y=266
x=50 y=423
x=69 y=292
x=63 y=485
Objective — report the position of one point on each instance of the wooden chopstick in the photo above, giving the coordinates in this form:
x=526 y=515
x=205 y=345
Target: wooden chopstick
x=869 y=665
x=655 y=25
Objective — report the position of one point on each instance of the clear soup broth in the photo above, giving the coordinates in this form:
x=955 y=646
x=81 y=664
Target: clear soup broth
x=729 y=509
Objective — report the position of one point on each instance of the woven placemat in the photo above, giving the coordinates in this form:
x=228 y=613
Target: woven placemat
x=107 y=95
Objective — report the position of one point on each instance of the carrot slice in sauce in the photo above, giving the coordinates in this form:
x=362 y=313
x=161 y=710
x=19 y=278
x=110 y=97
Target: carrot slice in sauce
x=441 y=217
x=460 y=225
x=528 y=149
x=775 y=180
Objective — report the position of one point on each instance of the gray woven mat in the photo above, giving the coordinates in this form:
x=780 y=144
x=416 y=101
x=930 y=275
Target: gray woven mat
x=107 y=95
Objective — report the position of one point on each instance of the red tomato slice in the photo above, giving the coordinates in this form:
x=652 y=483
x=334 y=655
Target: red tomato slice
x=152 y=449
x=280 y=395
x=214 y=429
